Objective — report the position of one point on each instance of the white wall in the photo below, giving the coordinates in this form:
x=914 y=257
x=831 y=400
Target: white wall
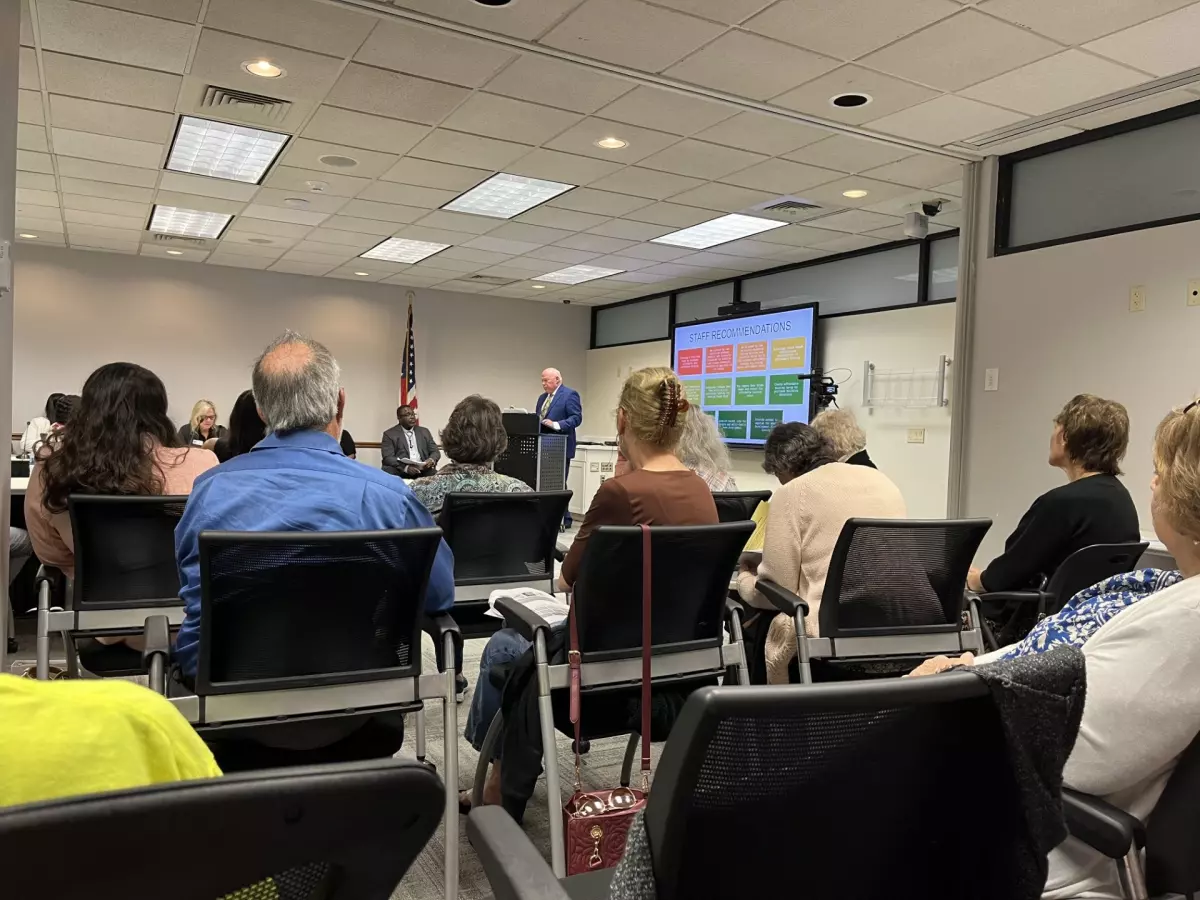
x=1056 y=322
x=201 y=327
x=896 y=339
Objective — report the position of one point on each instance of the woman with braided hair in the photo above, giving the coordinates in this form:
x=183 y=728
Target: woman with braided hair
x=658 y=490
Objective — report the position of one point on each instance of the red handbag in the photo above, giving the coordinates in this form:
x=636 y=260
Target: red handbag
x=596 y=823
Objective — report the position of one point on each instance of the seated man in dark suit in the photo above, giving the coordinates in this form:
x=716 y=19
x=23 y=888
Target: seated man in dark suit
x=409 y=441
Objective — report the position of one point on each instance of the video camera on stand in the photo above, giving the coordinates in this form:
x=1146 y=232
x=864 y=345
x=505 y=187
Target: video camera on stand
x=824 y=390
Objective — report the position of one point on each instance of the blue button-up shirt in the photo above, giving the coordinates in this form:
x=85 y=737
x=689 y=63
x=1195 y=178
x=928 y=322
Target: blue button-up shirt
x=295 y=482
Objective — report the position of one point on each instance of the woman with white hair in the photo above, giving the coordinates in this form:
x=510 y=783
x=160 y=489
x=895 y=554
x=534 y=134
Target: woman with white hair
x=841 y=429
x=702 y=449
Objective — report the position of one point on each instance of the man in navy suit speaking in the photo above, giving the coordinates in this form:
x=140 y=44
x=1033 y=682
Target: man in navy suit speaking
x=559 y=409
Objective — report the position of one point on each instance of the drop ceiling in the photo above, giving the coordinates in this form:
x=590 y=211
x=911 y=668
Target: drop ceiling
x=724 y=106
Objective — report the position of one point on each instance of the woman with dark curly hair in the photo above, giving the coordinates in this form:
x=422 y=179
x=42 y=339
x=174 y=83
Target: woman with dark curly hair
x=817 y=495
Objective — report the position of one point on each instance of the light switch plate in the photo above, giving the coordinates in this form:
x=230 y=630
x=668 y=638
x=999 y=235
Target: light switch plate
x=916 y=435
x=1193 y=297
x=991 y=380
x=1137 y=298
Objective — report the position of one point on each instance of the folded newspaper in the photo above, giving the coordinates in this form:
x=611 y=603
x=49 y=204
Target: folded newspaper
x=552 y=609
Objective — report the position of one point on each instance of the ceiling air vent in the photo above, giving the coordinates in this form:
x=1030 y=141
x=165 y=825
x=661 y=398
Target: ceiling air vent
x=493 y=280
x=243 y=105
x=787 y=209
x=176 y=239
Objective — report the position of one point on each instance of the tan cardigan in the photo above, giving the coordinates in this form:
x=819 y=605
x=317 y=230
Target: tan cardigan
x=804 y=522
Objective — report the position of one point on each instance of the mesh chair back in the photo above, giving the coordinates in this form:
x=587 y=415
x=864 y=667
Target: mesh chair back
x=738 y=506
x=298 y=609
x=339 y=832
x=899 y=575
x=125 y=550
x=1091 y=565
x=861 y=786
x=502 y=537
x=690 y=567
x=1173 y=831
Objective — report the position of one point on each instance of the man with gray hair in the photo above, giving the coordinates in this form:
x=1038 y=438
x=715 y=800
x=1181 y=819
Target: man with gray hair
x=296 y=479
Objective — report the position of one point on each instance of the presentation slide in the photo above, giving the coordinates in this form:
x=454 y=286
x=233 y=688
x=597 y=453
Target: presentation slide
x=742 y=370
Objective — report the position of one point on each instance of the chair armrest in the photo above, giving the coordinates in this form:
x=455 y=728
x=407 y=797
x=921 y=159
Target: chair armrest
x=53 y=577
x=783 y=599
x=734 y=608
x=521 y=618
x=1012 y=596
x=1101 y=825
x=514 y=868
x=156 y=650
x=437 y=627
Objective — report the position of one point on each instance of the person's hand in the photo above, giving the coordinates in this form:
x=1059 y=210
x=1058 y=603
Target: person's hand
x=429 y=464
x=975 y=580
x=411 y=470
x=941 y=664
x=748 y=562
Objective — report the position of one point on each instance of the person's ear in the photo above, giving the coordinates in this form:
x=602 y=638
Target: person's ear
x=258 y=409
x=620 y=422
x=341 y=406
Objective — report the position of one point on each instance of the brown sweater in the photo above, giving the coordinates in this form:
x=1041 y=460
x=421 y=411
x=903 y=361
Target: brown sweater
x=643 y=498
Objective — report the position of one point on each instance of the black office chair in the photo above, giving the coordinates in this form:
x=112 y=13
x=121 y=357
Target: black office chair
x=310 y=642
x=1079 y=571
x=738 y=506
x=125 y=575
x=895 y=594
x=858 y=788
x=1170 y=837
x=690 y=579
x=338 y=832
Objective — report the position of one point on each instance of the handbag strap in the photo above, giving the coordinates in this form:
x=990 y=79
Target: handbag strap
x=575 y=684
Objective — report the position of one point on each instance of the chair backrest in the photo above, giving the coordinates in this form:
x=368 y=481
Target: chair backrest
x=125 y=550
x=339 y=832
x=850 y=789
x=899 y=575
x=300 y=609
x=502 y=537
x=1173 y=831
x=690 y=569
x=1091 y=565
x=738 y=506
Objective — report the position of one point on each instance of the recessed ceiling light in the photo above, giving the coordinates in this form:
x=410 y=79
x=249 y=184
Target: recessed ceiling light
x=721 y=230
x=174 y=253
x=335 y=161
x=851 y=100
x=856 y=194
x=27 y=236
x=403 y=251
x=363 y=274
x=494 y=3
x=296 y=202
x=503 y=196
x=188 y=222
x=263 y=68
x=221 y=150
x=611 y=143
x=539 y=287
x=578 y=274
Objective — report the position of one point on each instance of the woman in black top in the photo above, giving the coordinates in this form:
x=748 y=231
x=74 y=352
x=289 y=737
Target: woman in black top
x=202 y=426
x=1089 y=441
x=246 y=429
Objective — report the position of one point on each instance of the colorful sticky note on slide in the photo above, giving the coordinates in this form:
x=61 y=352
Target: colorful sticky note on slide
x=692 y=389
x=752 y=357
x=732 y=423
x=719 y=358
x=786 y=390
x=763 y=422
x=691 y=362
x=718 y=392
x=751 y=390
x=788 y=353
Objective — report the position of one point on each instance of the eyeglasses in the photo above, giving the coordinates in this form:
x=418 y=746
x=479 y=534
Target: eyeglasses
x=595 y=805
x=208 y=418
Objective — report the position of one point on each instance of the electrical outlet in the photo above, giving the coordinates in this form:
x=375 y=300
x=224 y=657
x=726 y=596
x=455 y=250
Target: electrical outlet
x=916 y=435
x=991 y=380
x=1137 y=298
x=595 y=467
x=1194 y=292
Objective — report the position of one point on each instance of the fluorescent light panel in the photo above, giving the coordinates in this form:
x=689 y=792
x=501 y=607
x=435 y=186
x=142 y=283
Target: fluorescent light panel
x=188 y=222
x=399 y=250
x=503 y=196
x=718 y=231
x=578 y=274
x=221 y=150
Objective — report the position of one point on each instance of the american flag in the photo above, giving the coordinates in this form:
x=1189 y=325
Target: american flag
x=408 y=381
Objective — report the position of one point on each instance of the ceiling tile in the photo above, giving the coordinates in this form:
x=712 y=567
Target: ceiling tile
x=525 y=20
x=355 y=240
x=29 y=108
x=565 y=168
x=220 y=258
x=427 y=173
x=31 y=197
x=594 y=243
x=567 y=219
x=392 y=94
x=1055 y=82
x=191 y=201
x=721 y=261
x=848 y=243
x=26 y=25
x=581 y=139
x=560 y=84
x=647 y=183
x=432 y=54
x=27 y=69
x=1064 y=21
x=46 y=239
x=508 y=119
x=38 y=225
x=309 y=26
x=284 y=214
x=295 y=267
x=180 y=254
x=362 y=226
x=512 y=248
x=39 y=182
x=945 y=119
x=854 y=221
x=291 y=231
x=110 y=246
x=1133 y=109
x=699 y=159
x=656 y=252
x=184 y=183
x=731 y=12
x=32 y=138
x=848 y=154
x=383 y=212
x=361 y=130
x=285 y=178
x=763 y=133
x=798 y=235
x=849 y=28
x=666 y=110
x=724 y=197
x=470 y=150
x=407 y=195
x=674 y=270
x=219 y=57
x=104 y=205
x=315 y=251
x=779 y=176
x=177 y=10
x=110 y=83
x=84 y=217
x=601 y=203
x=302 y=153
x=69 y=167
x=84 y=30
x=616 y=261
x=452 y=221
x=352 y=273
x=751 y=66
x=469 y=254
x=749 y=247
x=562 y=255
x=527 y=264
x=888 y=95
x=630 y=33
x=247 y=243
x=326 y=203
x=104 y=148
x=919 y=171
x=631 y=231
x=831 y=195
x=433 y=235
x=1164 y=46
x=961 y=50
x=110 y=119
x=532 y=234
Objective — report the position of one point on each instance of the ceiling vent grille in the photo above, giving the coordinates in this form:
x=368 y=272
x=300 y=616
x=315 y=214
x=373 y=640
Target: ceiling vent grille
x=176 y=239
x=493 y=280
x=787 y=209
x=243 y=105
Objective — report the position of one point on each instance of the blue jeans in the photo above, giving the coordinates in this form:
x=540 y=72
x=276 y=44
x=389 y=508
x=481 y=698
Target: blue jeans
x=505 y=646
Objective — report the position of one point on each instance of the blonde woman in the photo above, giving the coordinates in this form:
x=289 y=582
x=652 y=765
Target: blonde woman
x=841 y=429
x=202 y=426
